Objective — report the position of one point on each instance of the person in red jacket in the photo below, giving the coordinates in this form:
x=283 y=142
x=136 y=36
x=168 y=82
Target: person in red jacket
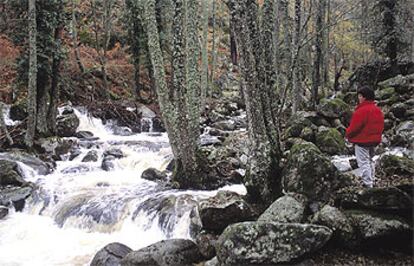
x=365 y=131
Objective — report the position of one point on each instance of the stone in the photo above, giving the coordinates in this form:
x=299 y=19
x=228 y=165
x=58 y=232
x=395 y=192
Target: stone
x=4 y=211
x=397 y=81
x=385 y=93
x=334 y=108
x=10 y=174
x=263 y=243
x=158 y=125
x=225 y=208
x=333 y=218
x=108 y=163
x=226 y=125
x=384 y=199
x=311 y=173
x=56 y=147
x=399 y=110
x=329 y=140
x=405 y=130
x=153 y=174
x=110 y=255
x=117 y=153
x=18 y=111
x=91 y=156
x=297 y=124
x=16 y=196
x=172 y=252
x=206 y=242
x=67 y=125
x=144 y=111
x=213 y=262
x=84 y=135
x=33 y=162
x=390 y=165
x=380 y=230
x=286 y=209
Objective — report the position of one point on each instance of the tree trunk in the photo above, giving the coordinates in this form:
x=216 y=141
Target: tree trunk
x=214 y=48
x=233 y=46
x=3 y=127
x=316 y=76
x=181 y=113
x=326 y=50
x=32 y=85
x=75 y=39
x=255 y=41
x=204 y=53
x=297 y=93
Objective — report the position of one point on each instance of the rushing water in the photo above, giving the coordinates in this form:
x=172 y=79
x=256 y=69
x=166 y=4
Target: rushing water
x=80 y=208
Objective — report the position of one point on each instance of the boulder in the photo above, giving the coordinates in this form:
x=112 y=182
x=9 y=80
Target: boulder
x=384 y=199
x=158 y=125
x=10 y=174
x=333 y=218
x=67 y=125
x=225 y=208
x=298 y=123
x=308 y=171
x=16 y=196
x=85 y=135
x=110 y=255
x=379 y=230
x=390 y=165
x=405 y=131
x=399 y=110
x=91 y=156
x=263 y=243
x=286 y=209
x=213 y=262
x=4 y=211
x=33 y=162
x=334 y=108
x=397 y=81
x=153 y=174
x=226 y=125
x=18 y=111
x=108 y=163
x=329 y=140
x=170 y=252
x=206 y=242
x=385 y=93
x=117 y=153
x=144 y=111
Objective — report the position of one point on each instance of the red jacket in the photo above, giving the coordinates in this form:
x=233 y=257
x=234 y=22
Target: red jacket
x=367 y=124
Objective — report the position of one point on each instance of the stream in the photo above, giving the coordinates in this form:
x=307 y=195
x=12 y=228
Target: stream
x=79 y=208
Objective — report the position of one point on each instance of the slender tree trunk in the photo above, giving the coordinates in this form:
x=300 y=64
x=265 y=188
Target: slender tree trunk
x=326 y=50
x=54 y=87
x=255 y=42
x=297 y=93
x=204 y=53
x=233 y=46
x=213 y=49
x=75 y=39
x=316 y=76
x=32 y=85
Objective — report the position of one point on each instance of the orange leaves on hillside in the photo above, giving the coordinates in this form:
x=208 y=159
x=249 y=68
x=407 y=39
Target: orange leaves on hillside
x=8 y=54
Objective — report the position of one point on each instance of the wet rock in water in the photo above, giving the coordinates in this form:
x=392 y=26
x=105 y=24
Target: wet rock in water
x=67 y=109
x=67 y=125
x=153 y=174
x=35 y=163
x=108 y=163
x=286 y=209
x=225 y=208
x=16 y=196
x=379 y=230
x=385 y=199
x=85 y=135
x=74 y=153
x=76 y=169
x=121 y=131
x=10 y=174
x=333 y=218
x=390 y=165
x=4 y=211
x=263 y=243
x=308 y=171
x=206 y=242
x=213 y=262
x=117 y=153
x=170 y=252
x=91 y=156
x=329 y=140
x=110 y=255
x=55 y=147
x=157 y=125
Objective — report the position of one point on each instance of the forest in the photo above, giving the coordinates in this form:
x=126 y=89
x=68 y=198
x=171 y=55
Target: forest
x=206 y=132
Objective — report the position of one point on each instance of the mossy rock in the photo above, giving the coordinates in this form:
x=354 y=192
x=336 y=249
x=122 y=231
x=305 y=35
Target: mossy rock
x=333 y=108
x=385 y=93
x=18 y=111
x=331 y=141
x=297 y=123
x=394 y=165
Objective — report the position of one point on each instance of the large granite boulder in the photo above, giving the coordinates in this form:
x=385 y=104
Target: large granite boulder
x=57 y=148
x=170 y=252
x=153 y=174
x=67 y=125
x=308 y=171
x=335 y=108
x=300 y=121
x=15 y=196
x=110 y=255
x=91 y=156
x=10 y=174
x=263 y=243
x=206 y=242
x=333 y=218
x=379 y=230
x=286 y=209
x=390 y=165
x=330 y=141
x=33 y=162
x=225 y=208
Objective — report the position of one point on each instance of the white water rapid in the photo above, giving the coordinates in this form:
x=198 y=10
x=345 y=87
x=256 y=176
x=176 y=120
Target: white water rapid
x=80 y=208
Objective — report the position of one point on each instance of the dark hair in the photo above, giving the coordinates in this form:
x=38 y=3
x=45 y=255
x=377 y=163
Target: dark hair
x=367 y=93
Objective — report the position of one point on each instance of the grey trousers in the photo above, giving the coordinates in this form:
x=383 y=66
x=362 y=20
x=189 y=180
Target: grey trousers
x=366 y=164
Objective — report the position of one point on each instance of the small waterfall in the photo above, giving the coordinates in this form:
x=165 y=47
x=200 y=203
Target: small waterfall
x=79 y=208
x=8 y=121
